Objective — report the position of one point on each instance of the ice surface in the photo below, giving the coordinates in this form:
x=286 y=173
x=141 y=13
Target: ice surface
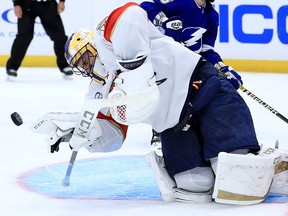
x=41 y=90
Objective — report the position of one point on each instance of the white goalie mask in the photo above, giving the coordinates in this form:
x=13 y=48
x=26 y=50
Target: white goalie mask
x=81 y=53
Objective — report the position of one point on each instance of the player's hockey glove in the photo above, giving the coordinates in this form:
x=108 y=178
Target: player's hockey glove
x=232 y=76
x=173 y=28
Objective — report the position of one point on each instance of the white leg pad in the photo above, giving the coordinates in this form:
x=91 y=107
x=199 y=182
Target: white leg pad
x=198 y=179
x=244 y=179
x=280 y=181
x=167 y=185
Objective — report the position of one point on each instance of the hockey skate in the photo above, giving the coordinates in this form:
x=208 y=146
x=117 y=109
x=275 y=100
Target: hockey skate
x=68 y=73
x=11 y=75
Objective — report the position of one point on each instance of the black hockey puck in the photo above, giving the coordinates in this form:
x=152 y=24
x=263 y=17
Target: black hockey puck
x=16 y=118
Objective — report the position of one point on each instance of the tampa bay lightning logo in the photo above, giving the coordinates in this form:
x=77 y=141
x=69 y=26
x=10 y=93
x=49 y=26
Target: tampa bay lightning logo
x=192 y=38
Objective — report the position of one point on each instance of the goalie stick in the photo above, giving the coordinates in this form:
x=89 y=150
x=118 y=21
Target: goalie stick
x=66 y=180
x=264 y=104
x=258 y=100
x=95 y=105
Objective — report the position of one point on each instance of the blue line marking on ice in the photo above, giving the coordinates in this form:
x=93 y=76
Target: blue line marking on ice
x=119 y=178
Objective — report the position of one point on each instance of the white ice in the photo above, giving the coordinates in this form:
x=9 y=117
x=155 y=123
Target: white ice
x=41 y=90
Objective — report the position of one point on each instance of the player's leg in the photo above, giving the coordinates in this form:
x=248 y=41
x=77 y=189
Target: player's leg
x=192 y=186
x=182 y=164
x=54 y=28
x=228 y=134
x=198 y=179
x=279 y=186
x=226 y=123
x=21 y=43
x=244 y=179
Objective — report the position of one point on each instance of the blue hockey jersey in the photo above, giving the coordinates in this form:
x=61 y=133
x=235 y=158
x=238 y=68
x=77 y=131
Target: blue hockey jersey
x=200 y=25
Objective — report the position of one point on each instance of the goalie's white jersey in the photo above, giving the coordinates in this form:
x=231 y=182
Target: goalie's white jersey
x=127 y=34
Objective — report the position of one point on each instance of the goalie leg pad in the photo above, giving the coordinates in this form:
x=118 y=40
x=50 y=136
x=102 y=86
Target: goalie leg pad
x=198 y=179
x=167 y=185
x=244 y=179
x=280 y=181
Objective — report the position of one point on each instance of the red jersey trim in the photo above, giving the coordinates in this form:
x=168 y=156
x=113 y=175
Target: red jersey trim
x=124 y=128
x=113 y=18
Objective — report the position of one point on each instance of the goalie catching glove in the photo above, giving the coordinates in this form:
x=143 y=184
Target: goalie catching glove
x=58 y=126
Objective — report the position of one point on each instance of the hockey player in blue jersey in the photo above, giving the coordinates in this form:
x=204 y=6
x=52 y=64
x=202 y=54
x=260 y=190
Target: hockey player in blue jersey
x=193 y=23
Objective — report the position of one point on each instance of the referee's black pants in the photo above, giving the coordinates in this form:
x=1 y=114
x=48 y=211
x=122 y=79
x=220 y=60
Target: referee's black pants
x=52 y=24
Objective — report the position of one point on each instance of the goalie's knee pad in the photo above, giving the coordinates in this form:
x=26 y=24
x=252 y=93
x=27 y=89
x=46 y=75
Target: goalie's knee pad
x=167 y=185
x=199 y=179
x=244 y=179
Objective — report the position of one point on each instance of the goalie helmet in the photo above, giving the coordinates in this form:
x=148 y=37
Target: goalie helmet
x=81 y=53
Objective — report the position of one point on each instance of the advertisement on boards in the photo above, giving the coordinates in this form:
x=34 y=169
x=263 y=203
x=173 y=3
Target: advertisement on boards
x=254 y=30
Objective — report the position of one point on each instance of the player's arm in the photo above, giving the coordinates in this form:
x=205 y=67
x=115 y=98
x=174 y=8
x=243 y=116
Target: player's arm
x=124 y=25
x=170 y=26
x=208 y=52
x=106 y=134
x=214 y=58
x=151 y=8
x=127 y=28
x=208 y=41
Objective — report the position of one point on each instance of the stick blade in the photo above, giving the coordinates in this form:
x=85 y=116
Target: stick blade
x=65 y=183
